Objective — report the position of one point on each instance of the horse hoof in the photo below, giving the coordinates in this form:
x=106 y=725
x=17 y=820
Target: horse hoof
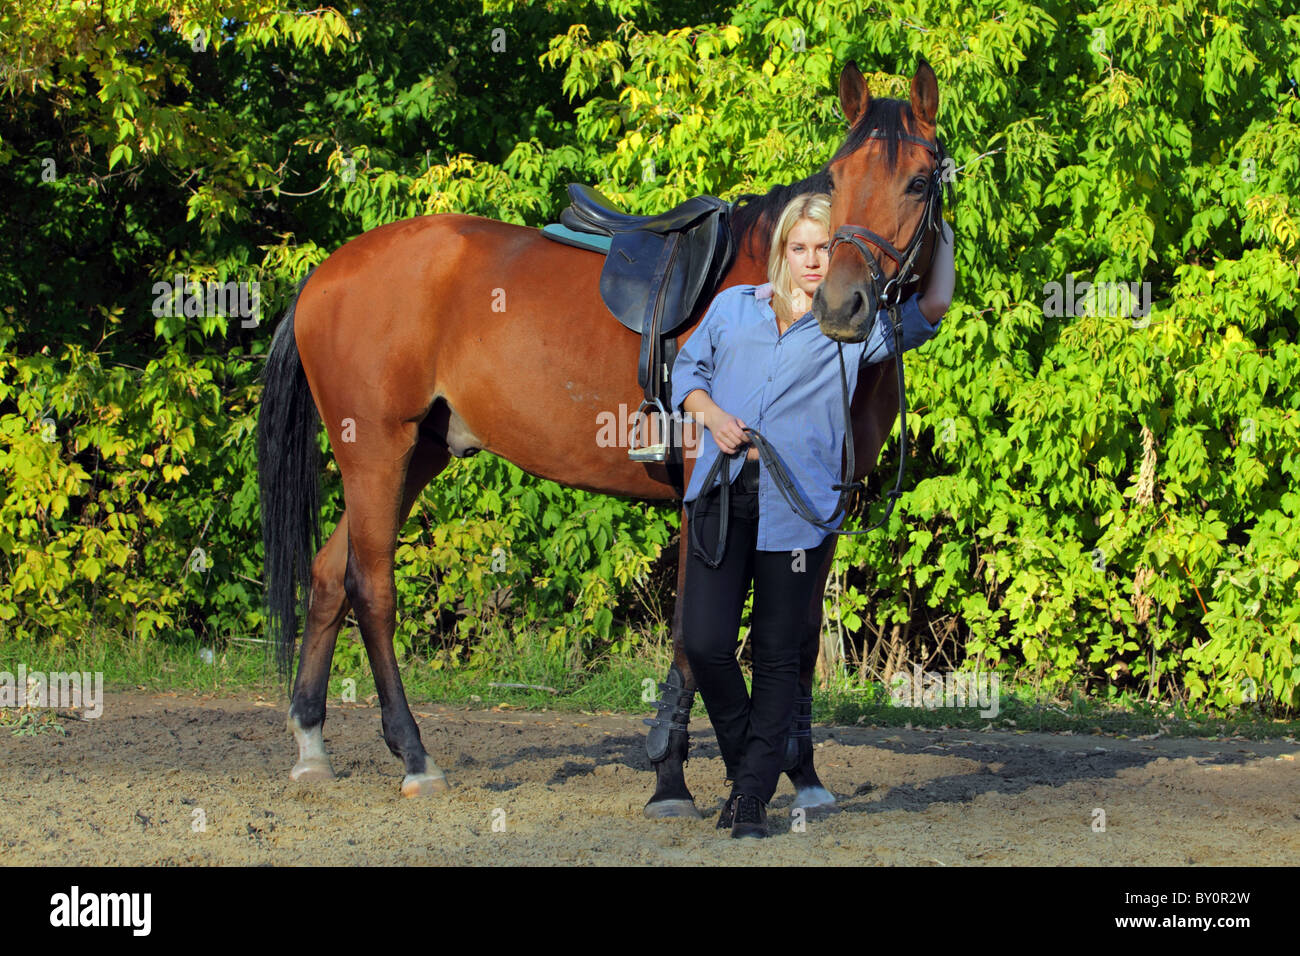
x=424 y=784
x=663 y=809
x=312 y=770
x=813 y=798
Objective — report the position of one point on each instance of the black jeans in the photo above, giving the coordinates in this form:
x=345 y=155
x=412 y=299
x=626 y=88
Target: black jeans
x=751 y=732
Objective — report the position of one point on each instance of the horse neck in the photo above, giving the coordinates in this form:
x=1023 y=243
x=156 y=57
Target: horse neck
x=750 y=265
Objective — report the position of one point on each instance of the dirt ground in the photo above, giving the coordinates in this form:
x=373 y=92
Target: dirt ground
x=167 y=779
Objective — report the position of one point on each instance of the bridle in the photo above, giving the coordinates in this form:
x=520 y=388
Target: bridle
x=886 y=292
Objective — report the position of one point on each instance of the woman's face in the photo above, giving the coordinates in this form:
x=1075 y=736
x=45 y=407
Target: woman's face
x=806 y=254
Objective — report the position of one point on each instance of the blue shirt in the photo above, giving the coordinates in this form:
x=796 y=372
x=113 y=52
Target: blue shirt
x=787 y=387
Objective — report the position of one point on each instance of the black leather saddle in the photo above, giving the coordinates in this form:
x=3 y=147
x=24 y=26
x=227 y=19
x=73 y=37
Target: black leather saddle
x=664 y=262
x=598 y=214
x=657 y=272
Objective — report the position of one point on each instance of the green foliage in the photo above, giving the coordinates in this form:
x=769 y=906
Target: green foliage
x=32 y=723
x=111 y=478
x=1095 y=501
x=526 y=554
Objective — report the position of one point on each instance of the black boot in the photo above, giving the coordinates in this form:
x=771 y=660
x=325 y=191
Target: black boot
x=750 y=817
x=728 y=814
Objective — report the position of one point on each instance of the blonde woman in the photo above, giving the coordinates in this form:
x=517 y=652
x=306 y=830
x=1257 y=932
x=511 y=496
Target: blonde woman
x=759 y=358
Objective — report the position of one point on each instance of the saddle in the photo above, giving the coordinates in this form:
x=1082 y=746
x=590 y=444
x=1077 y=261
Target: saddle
x=657 y=271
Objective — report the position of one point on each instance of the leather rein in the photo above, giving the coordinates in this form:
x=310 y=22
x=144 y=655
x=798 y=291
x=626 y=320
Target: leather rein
x=887 y=292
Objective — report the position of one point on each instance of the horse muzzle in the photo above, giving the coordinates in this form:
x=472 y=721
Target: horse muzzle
x=852 y=318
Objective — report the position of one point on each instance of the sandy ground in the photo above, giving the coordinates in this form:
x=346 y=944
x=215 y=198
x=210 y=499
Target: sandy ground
x=167 y=779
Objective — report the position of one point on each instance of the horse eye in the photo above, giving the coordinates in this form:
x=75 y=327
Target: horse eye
x=917 y=185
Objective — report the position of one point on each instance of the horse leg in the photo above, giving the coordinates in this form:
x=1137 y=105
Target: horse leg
x=809 y=792
x=669 y=739
x=328 y=607
x=377 y=486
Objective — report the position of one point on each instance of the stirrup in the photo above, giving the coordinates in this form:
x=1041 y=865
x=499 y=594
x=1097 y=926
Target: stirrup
x=659 y=450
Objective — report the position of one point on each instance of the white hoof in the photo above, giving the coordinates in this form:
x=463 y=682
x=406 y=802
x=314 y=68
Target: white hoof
x=312 y=770
x=813 y=798
x=665 y=809
x=425 y=784
x=313 y=763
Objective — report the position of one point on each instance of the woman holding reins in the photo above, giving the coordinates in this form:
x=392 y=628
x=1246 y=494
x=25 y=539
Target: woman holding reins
x=759 y=359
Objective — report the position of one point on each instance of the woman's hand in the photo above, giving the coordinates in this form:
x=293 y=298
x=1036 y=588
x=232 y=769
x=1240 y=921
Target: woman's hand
x=727 y=430
x=936 y=287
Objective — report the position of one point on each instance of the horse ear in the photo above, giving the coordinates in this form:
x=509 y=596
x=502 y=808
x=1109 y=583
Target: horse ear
x=854 y=95
x=925 y=94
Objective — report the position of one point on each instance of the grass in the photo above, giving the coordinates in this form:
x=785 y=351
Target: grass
x=626 y=684
x=1022 y=709
x=27 y=722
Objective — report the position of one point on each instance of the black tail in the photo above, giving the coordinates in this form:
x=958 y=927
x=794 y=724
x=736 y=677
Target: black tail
x=288 y=474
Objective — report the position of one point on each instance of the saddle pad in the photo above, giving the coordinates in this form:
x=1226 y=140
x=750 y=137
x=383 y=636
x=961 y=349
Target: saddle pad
x=583 y=240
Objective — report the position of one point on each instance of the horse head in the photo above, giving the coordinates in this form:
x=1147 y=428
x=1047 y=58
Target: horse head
x=886 y=183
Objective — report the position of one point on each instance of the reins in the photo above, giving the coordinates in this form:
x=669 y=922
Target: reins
x=891 y=297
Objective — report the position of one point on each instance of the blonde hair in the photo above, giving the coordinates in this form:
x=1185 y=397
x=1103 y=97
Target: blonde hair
x=813 y=206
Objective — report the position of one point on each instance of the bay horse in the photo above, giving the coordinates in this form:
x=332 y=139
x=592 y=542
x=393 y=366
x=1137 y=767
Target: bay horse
x=450 y=334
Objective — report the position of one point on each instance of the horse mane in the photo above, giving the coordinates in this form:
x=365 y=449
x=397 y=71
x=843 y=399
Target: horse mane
x=754 y=214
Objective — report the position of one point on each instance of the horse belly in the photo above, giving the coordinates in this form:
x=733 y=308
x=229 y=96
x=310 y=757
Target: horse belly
x=493 y=337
